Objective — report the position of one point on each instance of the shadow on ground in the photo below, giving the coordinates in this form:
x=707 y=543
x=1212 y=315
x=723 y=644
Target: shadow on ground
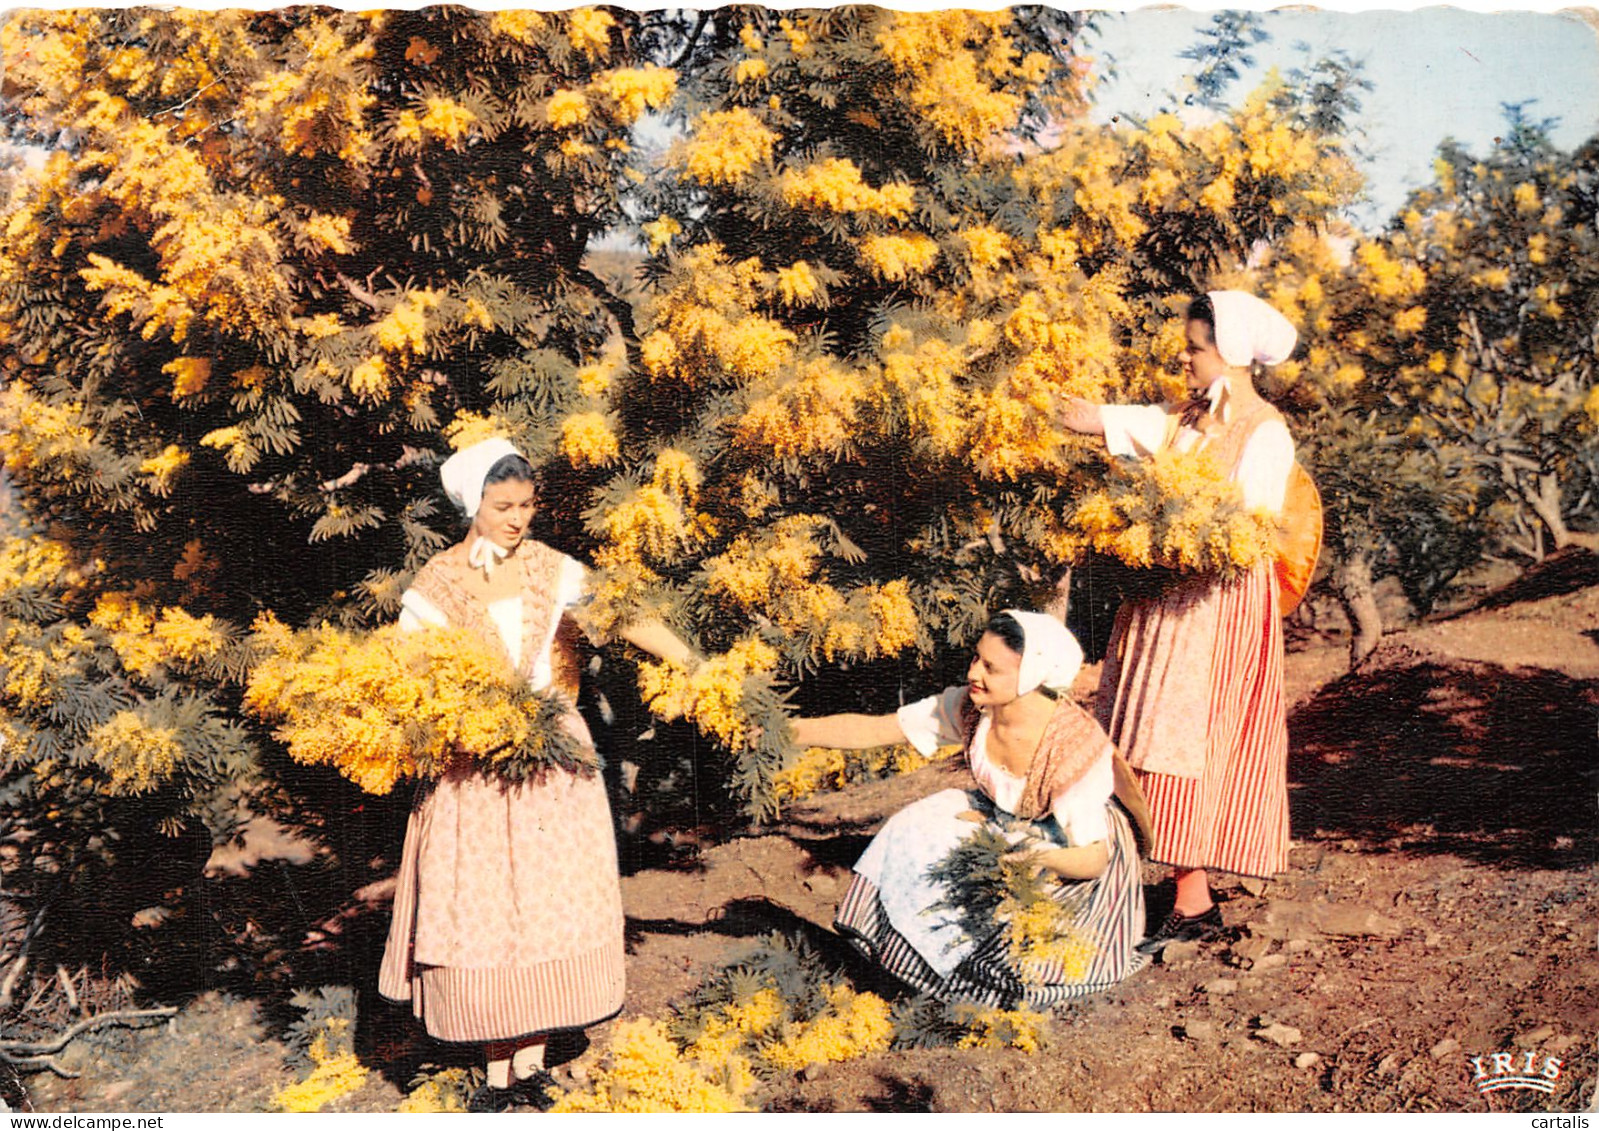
x=1557 y=575
x=1492 y=764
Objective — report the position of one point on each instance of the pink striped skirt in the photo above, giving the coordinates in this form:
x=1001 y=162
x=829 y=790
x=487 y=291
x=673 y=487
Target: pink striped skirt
x=508 y=912
x=1232 y=815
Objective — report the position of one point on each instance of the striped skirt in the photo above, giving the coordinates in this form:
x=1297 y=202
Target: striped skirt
x=1232 y=814
x=507 y=917
x=1108 y=922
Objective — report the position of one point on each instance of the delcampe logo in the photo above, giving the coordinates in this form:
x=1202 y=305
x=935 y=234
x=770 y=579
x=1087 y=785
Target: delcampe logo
x=1507 y=1070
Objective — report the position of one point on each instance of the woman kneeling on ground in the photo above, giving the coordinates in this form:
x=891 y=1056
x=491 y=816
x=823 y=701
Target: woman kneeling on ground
x=1045 y=781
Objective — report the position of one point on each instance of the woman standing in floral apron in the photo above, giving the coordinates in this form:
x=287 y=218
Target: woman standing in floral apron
x=1192 y=687
x=507 y=921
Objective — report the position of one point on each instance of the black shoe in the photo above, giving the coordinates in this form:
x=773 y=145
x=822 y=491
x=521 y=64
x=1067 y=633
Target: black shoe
x=534 y=1091
x=488 y=1098
x=528 y=1091
x=1183 y=928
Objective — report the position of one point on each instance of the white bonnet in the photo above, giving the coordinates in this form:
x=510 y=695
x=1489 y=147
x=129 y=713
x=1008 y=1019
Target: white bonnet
x=1051 y=656
x=1249 y=329
x=464 y=472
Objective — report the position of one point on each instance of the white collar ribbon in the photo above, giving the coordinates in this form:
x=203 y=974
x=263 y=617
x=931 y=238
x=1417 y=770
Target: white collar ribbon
x=485 y=555
x=1220 y=397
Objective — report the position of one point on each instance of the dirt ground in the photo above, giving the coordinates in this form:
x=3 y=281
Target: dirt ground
x=1441 y=904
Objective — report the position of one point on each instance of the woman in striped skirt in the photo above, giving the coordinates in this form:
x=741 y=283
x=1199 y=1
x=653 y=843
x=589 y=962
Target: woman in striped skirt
x=1043 y=779
x=1192 y=687
x=507 y=920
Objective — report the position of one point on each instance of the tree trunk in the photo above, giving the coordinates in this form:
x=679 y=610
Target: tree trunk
x=1356 y=592
x=1060 y=602
x=1545 y=503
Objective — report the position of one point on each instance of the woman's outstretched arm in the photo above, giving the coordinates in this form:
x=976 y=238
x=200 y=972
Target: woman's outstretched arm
x=847 y=732
x=659 y=641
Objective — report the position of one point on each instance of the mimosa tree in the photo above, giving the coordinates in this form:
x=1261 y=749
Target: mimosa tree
x=877 y=276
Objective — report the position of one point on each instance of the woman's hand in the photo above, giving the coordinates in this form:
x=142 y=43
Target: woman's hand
x=1030 y=859
x=1082 y=862
x=976 y=818
x=659 y=641
x=801 y=732
x=1079 y=415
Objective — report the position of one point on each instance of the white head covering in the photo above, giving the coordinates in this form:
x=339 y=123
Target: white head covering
x=463 y=475
x=1249 y=329
x=1051 y=656
x=464 y=472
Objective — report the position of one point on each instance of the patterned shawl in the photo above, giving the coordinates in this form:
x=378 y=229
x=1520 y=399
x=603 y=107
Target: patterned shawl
x=1072 y=742
x=443 y=581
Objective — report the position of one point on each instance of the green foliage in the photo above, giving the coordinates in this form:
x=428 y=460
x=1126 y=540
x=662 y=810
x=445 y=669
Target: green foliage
x=785 y=963
x=780 y=992
x=327 y=1014
x=1511 y=254
x=1327 y=92
x=277 y=264
x=254 y=316
x=924 y=1022
x=118 y=740
x=1223 y=48
x=977 y=880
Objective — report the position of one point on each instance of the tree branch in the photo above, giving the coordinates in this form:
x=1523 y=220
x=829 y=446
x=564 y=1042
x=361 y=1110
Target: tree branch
x=620 y=309
x=693 y=39
x=40 y=1062
x=180 y=105
x=358 y=292
x=356 y=471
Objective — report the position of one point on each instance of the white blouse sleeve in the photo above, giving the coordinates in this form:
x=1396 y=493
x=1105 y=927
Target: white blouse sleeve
x=417 y=612
x=932 y=722
x=571 y=584
x=1263 y=467
x=1134 y=429
x=1080 y=811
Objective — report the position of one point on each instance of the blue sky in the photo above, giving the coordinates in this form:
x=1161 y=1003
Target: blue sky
x=1438 y=72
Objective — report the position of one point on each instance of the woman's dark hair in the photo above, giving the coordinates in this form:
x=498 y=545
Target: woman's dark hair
x=1203 y=310
x=1008 y=629
x=510 y=468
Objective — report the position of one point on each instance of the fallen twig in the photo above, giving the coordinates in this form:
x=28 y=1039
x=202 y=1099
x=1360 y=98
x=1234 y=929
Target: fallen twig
x=43 y=1062
x=67 y=988
x=17 y=1050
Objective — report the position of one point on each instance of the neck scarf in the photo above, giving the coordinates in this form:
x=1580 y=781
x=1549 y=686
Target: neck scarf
x=485 y=555
x=1214 y=404
x=1071 y=744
